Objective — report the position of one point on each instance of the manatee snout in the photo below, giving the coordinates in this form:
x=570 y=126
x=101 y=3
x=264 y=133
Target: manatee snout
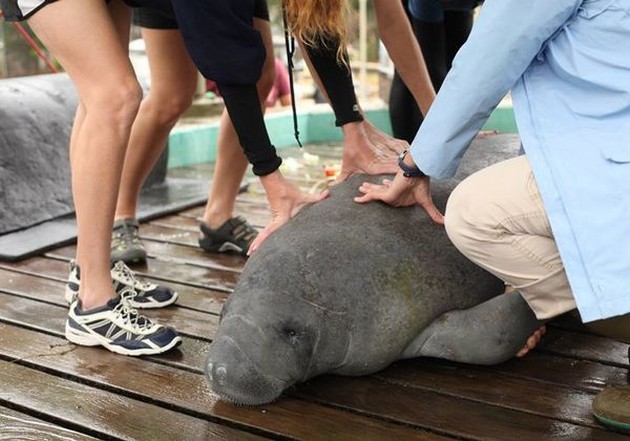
x=236 y=379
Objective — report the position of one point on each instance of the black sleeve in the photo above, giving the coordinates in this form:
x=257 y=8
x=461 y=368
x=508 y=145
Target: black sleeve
x=225 y=47
x=243 y=106
x=337 y=80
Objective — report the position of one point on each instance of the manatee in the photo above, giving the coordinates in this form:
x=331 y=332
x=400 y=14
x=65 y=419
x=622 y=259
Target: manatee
x=347 y=289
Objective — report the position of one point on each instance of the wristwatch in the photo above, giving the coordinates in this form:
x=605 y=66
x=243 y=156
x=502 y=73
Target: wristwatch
x=409 y=172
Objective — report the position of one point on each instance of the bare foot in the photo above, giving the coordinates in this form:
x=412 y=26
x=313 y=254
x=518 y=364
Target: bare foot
x=532 y=341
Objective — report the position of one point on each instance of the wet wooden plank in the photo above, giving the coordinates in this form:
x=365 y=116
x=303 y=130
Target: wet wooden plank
x=584 y=346
x=101 y=413
x=211 y=278
x=156 y=271
x=444 y=413
x=580 y=374
x=20 y=426
x=489 y=386
x=186 y=392
x=172 y=253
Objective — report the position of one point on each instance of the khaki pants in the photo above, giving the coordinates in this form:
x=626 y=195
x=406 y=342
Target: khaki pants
x=496 y=218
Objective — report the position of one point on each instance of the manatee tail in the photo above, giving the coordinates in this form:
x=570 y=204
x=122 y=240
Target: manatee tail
x=489 y=333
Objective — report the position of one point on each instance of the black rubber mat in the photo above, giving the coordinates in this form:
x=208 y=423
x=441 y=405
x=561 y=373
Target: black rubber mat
x=171 y=196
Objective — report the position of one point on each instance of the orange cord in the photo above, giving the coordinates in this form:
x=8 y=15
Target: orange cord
x=33 y=44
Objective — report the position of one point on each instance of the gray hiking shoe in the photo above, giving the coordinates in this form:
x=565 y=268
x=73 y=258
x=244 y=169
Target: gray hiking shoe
x=126 y=245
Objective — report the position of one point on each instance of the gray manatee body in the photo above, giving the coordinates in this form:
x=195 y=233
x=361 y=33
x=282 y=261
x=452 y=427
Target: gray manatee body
x=348 y=289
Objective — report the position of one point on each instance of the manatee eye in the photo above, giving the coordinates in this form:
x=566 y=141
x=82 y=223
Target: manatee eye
x=290 y=332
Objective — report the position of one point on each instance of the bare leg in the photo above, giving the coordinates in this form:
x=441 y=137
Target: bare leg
x=173 y=84
x=109 y=96
x=397 y=35
x=231 y=163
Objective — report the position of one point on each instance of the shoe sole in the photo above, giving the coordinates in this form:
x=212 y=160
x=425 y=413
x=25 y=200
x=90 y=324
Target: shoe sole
x=90 y=340
x=613 y=424
x=131 y=258
x=225 y=247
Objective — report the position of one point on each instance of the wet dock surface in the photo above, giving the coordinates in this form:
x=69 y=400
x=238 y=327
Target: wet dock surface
x=53 y=390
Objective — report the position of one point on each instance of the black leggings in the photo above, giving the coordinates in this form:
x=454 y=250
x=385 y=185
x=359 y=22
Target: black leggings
x=439 y=42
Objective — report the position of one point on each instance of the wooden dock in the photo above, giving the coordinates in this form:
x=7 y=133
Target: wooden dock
x=53 y=390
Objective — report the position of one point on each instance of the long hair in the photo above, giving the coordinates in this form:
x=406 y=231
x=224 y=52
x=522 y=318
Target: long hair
x=316 y=22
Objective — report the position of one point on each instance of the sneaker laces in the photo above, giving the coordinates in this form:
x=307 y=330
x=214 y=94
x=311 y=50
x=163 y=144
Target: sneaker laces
x=129 y=277
x=130 y=316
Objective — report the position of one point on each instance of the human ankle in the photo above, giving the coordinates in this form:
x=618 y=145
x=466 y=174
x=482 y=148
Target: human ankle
x=90 y=301
x=214 y=218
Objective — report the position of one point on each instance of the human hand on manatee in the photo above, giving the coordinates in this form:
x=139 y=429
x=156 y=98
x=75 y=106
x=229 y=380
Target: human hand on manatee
x=402 y=192
x=285 y=201
x=367 y=150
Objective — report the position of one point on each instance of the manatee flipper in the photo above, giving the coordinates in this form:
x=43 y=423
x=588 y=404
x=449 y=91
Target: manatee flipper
x=488 y=333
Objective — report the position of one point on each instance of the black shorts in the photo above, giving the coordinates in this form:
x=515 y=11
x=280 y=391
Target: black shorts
x=17 y=10
x=151 y=18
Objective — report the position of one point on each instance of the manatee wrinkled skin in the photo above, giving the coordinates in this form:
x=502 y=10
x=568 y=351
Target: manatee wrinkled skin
x=344 y=289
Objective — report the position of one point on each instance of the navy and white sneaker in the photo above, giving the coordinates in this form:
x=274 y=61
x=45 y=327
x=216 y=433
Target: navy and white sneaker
x=119 y=328
x=137 y=292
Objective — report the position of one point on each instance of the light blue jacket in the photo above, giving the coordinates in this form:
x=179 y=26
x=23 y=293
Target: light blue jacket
x=567 y=63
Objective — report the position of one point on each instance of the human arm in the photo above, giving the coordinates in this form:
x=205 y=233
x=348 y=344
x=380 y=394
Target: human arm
x=285 y=201
x=365 y=149
x=224 y=45
x=395 y=31
x=506 y=39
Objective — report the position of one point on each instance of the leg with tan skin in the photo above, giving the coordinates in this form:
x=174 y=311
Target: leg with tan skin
x=109 y=96
x=89 y=39
x=231 y=163
x=173 y=84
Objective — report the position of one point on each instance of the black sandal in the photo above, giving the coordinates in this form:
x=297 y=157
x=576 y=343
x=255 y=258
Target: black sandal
x=235 y=235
